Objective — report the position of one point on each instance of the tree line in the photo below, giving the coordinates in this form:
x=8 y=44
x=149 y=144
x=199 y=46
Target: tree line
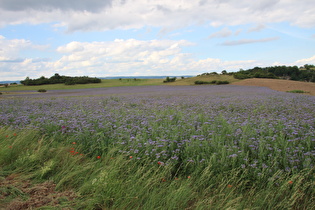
x=305 y=73
x=57 y=79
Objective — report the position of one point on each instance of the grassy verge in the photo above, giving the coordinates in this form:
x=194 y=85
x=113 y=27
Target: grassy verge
x=114 y=181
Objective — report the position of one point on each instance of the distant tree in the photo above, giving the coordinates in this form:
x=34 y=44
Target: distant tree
x=56 y=79
x=283 y=72
x=168 y=79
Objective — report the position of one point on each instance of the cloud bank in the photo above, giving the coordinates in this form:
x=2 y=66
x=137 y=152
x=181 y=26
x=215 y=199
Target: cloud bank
x=81 y=15
x=119 y=57
x=234 y=23
x=51 y=5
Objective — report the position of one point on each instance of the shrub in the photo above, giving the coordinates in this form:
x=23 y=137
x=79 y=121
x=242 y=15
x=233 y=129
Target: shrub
x=241 y=76
x=222 y=82
x=296 y=91
x=211 y=82
x=204 y=82
x=199 y=82
x=70 y=82
x=0 y=93
x=42 y=91
x=168 y=79
x=57 y=79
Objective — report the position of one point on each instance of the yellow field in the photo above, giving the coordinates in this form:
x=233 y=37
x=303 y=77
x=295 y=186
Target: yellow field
x=280 y=85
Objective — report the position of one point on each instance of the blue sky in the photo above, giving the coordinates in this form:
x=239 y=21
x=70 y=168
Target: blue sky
x=145 y=37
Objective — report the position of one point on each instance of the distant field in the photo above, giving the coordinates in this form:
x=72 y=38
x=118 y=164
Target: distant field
x=205 y=78
x=279 y=85
x=275 y=84
x=104 y=83
x=120 y=82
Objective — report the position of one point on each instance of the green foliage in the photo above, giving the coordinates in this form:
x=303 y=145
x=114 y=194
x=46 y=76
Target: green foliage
x=242 y=75
x=168 y=79
x=114 y=181
x=217 y=82
x=198 y=82
x=42 y=90
x=70 y=82
x=222 y=82
x=275 y=72
x=207 y=74
x=296 y=91
x=309 y=66
x=57 y=79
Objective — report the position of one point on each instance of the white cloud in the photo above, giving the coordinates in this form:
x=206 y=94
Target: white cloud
x=48 y=5
x=301 y=62
x=71 y=47
x=10 y=49
x=248 y=41
x=118 y=57
x=225 y=32
x=12 y=64
x=126 y=14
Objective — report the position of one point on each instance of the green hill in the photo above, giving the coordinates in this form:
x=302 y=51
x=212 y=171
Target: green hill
x=204 y=78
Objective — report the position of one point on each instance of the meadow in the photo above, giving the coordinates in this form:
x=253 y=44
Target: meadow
x=163 y=147
x=104 y=83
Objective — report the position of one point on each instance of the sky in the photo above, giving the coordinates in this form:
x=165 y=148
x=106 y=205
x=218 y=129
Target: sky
x=101 y=38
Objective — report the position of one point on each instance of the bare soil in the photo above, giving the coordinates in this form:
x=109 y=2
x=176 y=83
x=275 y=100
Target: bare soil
x=280 y=85
x=19 y=194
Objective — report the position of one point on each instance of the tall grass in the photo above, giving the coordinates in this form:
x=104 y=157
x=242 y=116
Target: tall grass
x=119 y=182
x=206 y=151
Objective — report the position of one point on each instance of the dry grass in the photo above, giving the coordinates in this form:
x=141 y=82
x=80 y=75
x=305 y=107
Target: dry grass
x=205 y=78
x=17 y=193
x=279 y=85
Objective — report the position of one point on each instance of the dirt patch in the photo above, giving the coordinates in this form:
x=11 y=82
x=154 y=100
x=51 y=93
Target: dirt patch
x=17 y=194
x=280 y=85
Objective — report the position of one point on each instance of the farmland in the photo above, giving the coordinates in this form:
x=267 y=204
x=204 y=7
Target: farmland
x=280 y=85
x=167 y=147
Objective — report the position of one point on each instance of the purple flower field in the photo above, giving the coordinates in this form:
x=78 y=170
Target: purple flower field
x=227 y=126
